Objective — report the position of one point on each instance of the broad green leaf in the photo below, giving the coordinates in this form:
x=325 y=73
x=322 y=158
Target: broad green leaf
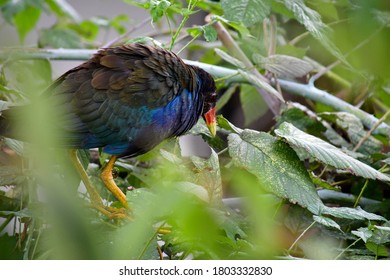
x=158 y=8
x=59 y=38
x=210 y=34
x=277 y=167
x=283 y=65
x=88 y=29
x=247 y=11
x=378 y=250
x=326 y=221
x=381 y=234
x=195 y=31
x=242 y=30
x=227 y=57
x=225 y=124
x=327 y=153
x=252 y=104
x=363 y=233
x=117 y=23
x=63 y=9
x=10 y=9
x=260 y=83
x=26 y=20
x=351 y=213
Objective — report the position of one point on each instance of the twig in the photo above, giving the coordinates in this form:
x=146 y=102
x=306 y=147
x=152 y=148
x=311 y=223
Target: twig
x=360 y=194
x=343 y=251
x=186 y=15
x=300 y=236
x=372 y=129
x=131 y=30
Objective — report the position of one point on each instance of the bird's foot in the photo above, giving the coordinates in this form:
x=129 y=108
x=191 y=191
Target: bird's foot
x=112 y=212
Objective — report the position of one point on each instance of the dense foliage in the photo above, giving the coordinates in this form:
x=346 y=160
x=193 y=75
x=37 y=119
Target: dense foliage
x=312 y=184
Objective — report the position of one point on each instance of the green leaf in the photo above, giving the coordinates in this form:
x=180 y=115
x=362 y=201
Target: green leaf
x=238 y=26
x=195 y=31
x=276 y=166
x=210 y=34
x=326 y=222
x=363 y=233
x=60 y=38
x=117 y=21
x=260 y=83
x=26 y=20
x=225 y=124
x=63 y=9
x=378 y=250
x=247 y=11
x=351 y=213
x=88 y=29
x=381 y=234
x=327 y=153
x=158 y=8
x=252 y=104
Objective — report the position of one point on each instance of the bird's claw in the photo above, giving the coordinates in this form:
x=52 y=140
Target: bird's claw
x=112 y=212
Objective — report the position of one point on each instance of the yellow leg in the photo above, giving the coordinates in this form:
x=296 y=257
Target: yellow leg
x=109 y=182
x=96 y=200
x=93 y=193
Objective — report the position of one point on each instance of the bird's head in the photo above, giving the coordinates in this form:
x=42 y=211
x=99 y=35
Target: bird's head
x=210 y=97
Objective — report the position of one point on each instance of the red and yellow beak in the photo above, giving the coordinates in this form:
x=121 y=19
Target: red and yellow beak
x=211 y=121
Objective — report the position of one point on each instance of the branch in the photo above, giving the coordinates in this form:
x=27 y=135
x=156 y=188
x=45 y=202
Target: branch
x=304 y=90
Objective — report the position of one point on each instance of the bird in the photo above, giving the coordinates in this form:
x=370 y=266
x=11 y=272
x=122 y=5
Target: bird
x=126 y=100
